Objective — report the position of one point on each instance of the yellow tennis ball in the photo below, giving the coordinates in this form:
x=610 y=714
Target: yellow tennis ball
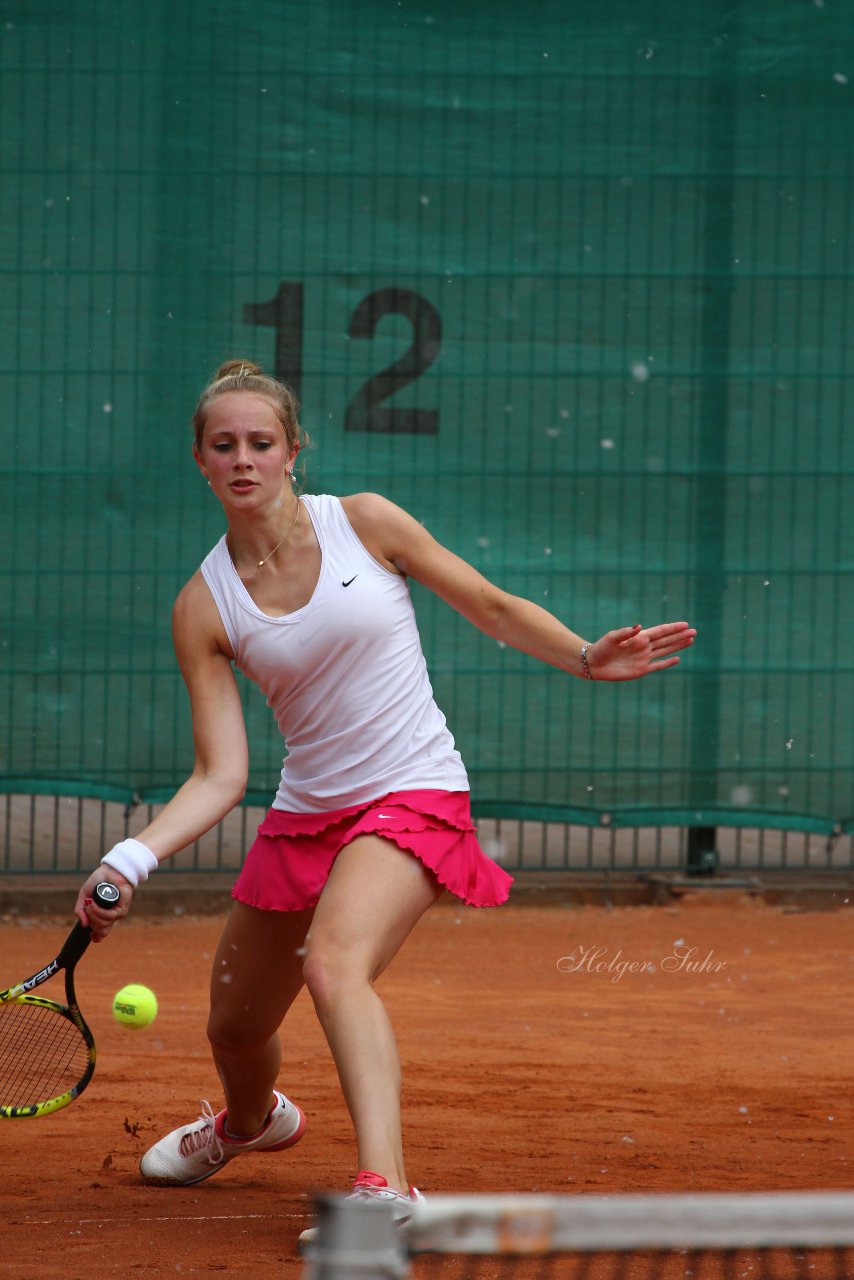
x=134 y=1006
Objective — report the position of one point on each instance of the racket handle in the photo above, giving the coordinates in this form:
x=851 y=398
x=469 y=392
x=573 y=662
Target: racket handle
x=106 y=895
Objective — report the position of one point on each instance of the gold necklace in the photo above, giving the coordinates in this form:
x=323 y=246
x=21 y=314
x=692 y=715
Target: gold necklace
x=270 y=554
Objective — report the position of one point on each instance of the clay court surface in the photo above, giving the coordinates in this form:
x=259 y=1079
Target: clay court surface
x=529 y=1065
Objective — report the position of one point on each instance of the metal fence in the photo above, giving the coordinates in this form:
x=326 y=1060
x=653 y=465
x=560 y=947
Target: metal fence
x=58 y=834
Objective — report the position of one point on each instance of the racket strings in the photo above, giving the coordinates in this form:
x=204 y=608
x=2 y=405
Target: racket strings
x=42 y=1054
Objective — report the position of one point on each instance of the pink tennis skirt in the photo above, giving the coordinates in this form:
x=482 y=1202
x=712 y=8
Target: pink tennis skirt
x=289 y=862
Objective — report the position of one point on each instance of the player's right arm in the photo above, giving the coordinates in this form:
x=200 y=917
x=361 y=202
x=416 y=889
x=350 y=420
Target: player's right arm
x=218 y=780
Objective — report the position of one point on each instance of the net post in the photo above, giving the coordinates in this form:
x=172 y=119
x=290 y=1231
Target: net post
x=356 y=1240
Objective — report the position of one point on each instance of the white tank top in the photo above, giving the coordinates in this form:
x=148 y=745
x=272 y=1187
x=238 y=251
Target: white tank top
x=345 y=676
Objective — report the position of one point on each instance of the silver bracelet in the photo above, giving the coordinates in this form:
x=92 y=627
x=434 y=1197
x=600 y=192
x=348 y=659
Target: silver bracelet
x=584 y=666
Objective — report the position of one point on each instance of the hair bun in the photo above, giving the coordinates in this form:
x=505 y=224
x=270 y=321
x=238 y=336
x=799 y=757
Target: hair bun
x=237 y=369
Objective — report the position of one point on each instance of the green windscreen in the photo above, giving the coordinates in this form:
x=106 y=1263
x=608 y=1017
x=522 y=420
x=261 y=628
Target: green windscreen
x=570 y=282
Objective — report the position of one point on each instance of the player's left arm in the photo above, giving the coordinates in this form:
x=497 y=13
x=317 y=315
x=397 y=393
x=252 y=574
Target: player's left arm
x=397 y=540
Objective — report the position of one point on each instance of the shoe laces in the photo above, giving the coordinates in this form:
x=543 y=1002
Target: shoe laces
x=203 y=1136
x=375 y=1193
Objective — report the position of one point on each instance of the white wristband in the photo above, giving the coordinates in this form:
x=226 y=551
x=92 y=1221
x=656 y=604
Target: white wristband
x=132 y=859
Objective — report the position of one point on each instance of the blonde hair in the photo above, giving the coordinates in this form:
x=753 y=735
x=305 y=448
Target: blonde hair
x=243 y=375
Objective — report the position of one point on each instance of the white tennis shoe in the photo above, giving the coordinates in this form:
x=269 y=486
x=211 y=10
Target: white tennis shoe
x=195 y=1151
x=371 y=1186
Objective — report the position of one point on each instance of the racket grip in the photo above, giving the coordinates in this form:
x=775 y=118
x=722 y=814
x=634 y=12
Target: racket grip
x=106 y=895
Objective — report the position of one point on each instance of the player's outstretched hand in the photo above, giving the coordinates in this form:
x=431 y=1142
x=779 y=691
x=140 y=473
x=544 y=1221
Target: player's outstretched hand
x=632 y=652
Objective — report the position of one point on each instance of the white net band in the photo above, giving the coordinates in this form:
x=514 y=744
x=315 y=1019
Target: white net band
x=521 y=1224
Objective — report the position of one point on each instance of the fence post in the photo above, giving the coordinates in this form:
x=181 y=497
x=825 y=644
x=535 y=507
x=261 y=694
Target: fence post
x=703 y=858
x=714 y=301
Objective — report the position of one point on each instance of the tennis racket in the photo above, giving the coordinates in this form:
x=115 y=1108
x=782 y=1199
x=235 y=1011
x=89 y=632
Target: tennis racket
x=47 y=1052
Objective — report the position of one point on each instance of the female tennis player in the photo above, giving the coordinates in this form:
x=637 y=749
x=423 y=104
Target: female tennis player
x=308 y=597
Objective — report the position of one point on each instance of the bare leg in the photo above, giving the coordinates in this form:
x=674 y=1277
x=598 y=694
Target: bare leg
x=375 y=895
x=257 y=974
